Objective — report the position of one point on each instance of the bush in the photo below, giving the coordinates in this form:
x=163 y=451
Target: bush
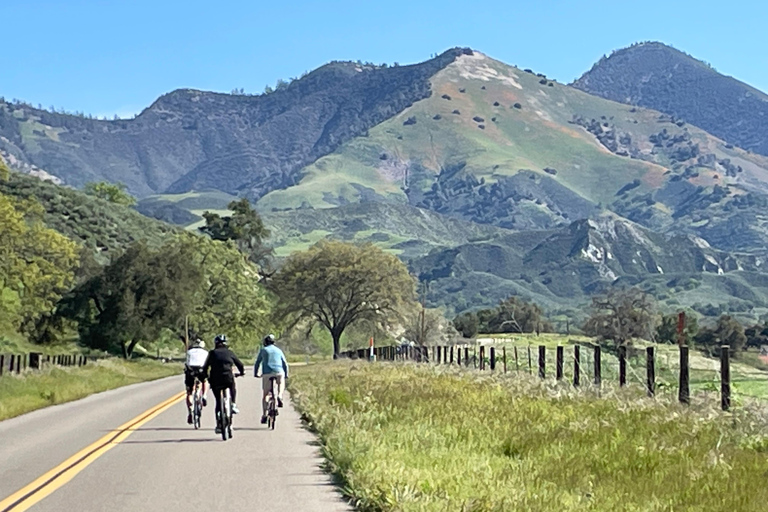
x=410 y=121
x=517 y=106
x=446 y=97
x=456 y=112
x=437 y=117
x=478 y=119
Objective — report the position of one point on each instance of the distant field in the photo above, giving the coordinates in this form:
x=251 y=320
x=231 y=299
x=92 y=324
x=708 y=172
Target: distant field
x=404 y=437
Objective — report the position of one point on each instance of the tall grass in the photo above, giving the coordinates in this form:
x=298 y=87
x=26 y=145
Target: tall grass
x=419 y=438
x=32 y=390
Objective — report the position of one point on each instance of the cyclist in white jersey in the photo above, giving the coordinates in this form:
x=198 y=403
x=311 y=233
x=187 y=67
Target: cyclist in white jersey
x=196 y=357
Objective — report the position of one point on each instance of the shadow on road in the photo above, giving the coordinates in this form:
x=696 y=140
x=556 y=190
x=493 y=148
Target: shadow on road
x=165 y=441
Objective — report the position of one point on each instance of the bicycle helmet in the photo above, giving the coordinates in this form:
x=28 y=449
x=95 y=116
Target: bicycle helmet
x=198 y=344
x=221 y=339
x=269 y=339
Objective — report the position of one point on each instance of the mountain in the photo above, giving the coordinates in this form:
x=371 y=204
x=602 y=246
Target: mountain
x=657 y=76
x=240 y=144
x=498 y=145
x=560 y=269
x=487 y=179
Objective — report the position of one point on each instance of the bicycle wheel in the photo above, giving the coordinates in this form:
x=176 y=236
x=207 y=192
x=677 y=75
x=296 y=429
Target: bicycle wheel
x=197 y=406
x=223 y=414
x=273 y=407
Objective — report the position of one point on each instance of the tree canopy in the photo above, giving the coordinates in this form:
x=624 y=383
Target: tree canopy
x=621 y=315
x=244 y=227
x=112 y=192
x=511 y=315
x=337 y=284
x=37 y=265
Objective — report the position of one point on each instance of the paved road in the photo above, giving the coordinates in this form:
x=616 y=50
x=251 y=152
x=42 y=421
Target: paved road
x=163 y=464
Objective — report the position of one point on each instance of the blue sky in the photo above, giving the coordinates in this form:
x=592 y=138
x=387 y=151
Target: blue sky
x=106 y=57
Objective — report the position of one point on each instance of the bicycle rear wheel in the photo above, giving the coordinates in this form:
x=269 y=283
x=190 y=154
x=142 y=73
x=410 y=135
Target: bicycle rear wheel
x=223 y=417
x=196 y=410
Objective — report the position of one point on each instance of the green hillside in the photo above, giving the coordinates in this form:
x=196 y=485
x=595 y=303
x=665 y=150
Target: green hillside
x=98 y=224
x=461 y=151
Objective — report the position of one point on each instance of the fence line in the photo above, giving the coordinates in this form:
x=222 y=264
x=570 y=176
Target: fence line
x=592 y=357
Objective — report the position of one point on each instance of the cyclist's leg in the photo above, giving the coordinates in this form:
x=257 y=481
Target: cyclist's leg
x=189 y=383
x=265 y=390
x=280 y=388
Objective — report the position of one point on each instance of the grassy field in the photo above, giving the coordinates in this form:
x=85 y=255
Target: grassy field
x=32 y=390
x=423 y=438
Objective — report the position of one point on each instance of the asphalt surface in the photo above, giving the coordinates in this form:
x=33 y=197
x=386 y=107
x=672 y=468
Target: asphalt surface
x=165 y=464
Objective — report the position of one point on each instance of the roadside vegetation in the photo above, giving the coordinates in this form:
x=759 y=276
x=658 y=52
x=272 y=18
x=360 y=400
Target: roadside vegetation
x=31 y=390
x=407 y=438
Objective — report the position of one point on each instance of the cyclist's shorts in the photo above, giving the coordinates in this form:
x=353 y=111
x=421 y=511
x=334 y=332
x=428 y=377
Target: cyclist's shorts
x=191 y=373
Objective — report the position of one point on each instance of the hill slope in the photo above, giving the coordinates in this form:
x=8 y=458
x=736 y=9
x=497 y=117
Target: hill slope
x=657 y=76
x=102 y=226
x=498 y=145
x=192 y=139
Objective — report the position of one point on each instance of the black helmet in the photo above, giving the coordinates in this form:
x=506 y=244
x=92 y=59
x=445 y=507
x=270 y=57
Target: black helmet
x=269 y=339
x=221 y=339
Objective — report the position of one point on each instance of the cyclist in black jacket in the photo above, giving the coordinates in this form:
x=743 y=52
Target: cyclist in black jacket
x=218 y=368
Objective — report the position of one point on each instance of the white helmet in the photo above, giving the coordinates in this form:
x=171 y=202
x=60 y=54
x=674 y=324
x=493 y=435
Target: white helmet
x=199 y=343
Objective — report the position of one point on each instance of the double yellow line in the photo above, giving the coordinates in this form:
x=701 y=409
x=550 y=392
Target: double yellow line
x=66 y=471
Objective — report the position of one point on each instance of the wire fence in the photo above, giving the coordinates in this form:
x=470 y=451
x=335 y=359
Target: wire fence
x=654 y=368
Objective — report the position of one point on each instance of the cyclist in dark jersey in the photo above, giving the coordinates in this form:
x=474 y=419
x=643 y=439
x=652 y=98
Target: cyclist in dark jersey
x=218 y=368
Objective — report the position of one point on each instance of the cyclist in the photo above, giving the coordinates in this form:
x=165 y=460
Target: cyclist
x=273 y=364
x=193 y=369
x=218 y=368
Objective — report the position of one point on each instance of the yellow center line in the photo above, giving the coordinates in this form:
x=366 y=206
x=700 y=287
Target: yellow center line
x=57 y=477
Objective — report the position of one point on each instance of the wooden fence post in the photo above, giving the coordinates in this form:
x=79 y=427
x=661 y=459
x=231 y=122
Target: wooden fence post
x=542 y=361
x=559 y=363
x=504 y=355
x=576 y=365
x=458 y=356
x=725 y=377
x=517 y=364
x=2 y=363
x=622 y=365
x=684 y=394
x=474 y=357
x=18 y=364
x=482 y=357
x=650 y=371
x=598 y=366
x=453 y=349
x=493 y=358
x=439 y=354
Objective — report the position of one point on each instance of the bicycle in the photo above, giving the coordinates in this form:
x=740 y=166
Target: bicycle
x=197 y=404
x=272 y=404
x=225 y=414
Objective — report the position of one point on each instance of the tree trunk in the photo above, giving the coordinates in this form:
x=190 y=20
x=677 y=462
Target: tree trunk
x=336 y=343
x=124 y=347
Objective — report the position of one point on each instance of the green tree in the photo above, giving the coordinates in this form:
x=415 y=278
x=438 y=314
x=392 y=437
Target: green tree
x=467 y=324
x=232 y=300
x=621 y=315
x=337 y=284
x=727 y=331
x=666 y=331
x=436 y=328
x=244 y=227
x=112 y=192
x=37 y=265
x=136 y=296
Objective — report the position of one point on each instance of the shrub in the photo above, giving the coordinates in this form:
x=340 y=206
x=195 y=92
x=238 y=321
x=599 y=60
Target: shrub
x=543 y=81
x=481 y=126
x=437 y=117
x=496 y=104
x=446 y=97
x=456 y=112
x=478 y=119
x=411 y=120
x=517 y=105
x=550 y=170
